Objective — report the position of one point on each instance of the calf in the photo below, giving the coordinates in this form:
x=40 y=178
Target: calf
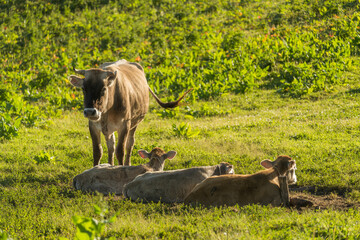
x=116 y=98
x=171 y=186
x=259 y=188
x=108 y=179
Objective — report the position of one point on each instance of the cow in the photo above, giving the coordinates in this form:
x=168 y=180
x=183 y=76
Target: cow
x=171 y=186
x=259 y=188
x=116 y=98
x=108 y=179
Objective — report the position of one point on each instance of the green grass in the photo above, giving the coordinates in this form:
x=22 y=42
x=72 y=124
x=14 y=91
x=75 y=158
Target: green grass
x=269 y=78
x=38 y=201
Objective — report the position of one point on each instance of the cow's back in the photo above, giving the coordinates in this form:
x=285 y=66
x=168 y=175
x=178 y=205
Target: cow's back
x=107 y=179
x=235 y=189
x=167 y=186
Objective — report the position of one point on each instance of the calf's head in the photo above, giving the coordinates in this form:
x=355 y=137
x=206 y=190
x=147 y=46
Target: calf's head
x=95 y=85
x=225 y=168
x=157 y=158
x=285 y=165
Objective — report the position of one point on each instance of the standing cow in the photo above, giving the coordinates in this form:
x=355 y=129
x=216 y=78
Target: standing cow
x=116 y=98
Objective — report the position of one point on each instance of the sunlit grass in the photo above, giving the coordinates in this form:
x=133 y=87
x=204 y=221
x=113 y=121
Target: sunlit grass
x=322 y=135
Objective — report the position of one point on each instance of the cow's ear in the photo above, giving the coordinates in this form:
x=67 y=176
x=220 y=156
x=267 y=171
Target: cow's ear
x=170 y=154
x=111 y=79
x=266 y=163
x=76 y=81
x=144 y=154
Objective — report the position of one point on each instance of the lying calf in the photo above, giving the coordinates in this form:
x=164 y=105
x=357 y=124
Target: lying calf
x=171 y=186
x=259 y=188
x=108 y=179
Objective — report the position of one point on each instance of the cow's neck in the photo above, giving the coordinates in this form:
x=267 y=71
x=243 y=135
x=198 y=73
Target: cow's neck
x=273 y=173
x=112 y=94
x=217 y=170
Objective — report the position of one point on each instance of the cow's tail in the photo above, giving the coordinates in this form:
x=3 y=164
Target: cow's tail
x=169 y=104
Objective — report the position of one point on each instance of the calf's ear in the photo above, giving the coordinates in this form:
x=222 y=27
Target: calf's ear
x=144 y=154
x=170 y=154
x=76 y=81
x=266 y=163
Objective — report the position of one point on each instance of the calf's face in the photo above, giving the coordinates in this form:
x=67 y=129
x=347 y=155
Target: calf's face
x=157 y=157
x=95 y=86
x=284 y=165
x=226 y=168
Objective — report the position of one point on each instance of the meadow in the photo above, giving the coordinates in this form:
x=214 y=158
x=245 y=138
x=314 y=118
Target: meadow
x=269 y=78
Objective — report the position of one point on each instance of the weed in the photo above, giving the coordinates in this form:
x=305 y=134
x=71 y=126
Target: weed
x=184 y=130
x=4 y=236
x=44 y=157
x=91 y=228
x=8 y=127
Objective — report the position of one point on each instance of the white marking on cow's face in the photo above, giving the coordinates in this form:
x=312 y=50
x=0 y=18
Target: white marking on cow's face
x=291 y=177
x=231 y=171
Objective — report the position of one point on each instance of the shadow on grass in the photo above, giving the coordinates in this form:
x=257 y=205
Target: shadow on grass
x=320 y=191
x=353 y=91
x=73 y=5
x=12 y=181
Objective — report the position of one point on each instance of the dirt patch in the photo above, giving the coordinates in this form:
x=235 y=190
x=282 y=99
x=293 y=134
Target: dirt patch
x=303 y=198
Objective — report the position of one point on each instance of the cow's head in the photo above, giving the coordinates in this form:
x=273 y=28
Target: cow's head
x=95 y=85
x=284 y=165
x=226 y=168
x=157 y=157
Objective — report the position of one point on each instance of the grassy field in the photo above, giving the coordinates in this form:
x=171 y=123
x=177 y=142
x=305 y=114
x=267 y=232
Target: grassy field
x=38 y=201
x=269 y=78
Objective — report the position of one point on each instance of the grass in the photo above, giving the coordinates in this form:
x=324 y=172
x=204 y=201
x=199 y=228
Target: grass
x=322 y=134
x=269 y=78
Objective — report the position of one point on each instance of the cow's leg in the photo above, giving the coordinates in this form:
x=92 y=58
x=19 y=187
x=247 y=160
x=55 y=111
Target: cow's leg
x=130 y=145
x=122 y=139
x=96 y=142
x=110 y=142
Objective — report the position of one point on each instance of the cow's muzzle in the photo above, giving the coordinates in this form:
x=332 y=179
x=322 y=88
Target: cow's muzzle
x=92 y=113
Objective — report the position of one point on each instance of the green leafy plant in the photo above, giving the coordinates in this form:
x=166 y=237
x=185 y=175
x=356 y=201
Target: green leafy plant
x=9 y=128
x=4 y=236
x=166 y=113
x=44 y=157
x=91 y=228
x=184 y=130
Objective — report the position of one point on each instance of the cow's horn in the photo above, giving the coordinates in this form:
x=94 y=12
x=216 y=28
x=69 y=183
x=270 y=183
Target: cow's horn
x=81 y=72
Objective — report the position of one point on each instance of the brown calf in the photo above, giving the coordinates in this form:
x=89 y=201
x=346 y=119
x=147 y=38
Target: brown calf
x=259 y=188
x=171 y=186
x=108 y=179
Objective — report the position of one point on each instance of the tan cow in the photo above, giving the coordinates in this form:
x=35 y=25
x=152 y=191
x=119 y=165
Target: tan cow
x=116 y=98
x=108 y=179
x=259 y=188
x=171 y=186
